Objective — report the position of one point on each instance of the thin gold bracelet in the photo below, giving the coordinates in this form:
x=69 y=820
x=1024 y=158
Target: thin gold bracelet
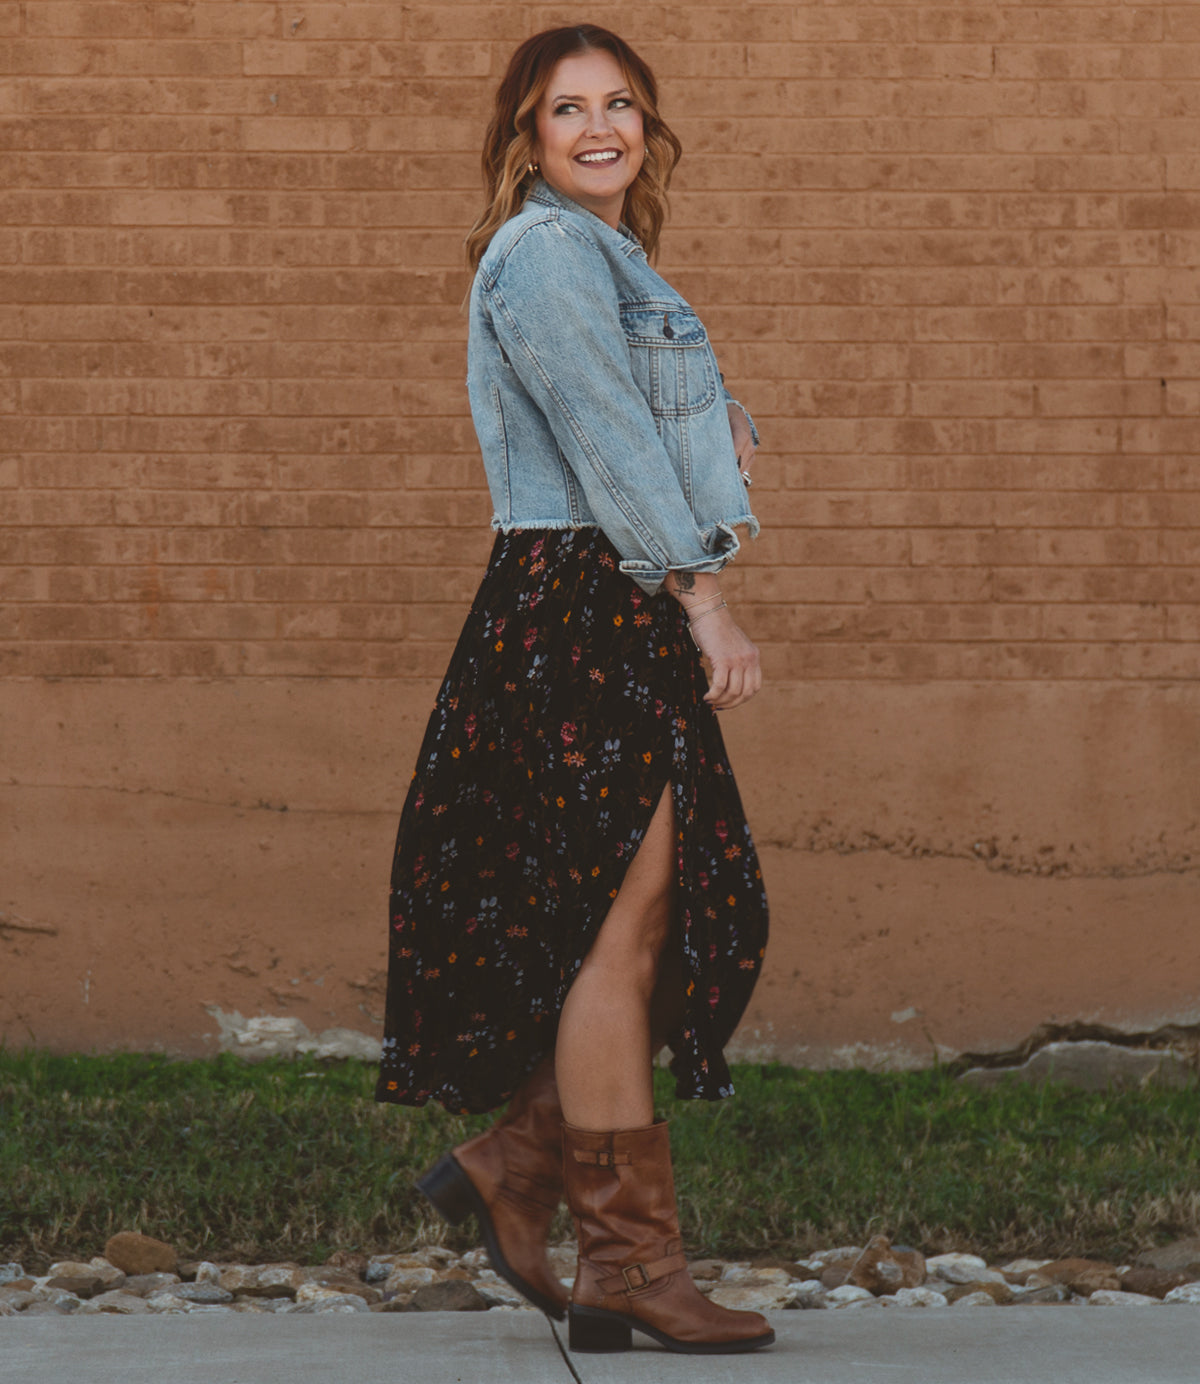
x=700 y=617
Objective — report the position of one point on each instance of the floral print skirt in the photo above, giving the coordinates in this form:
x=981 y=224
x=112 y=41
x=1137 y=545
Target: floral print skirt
x=571 y=702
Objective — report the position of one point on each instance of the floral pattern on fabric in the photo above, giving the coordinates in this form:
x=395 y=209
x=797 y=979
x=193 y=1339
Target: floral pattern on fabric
x=571 y=701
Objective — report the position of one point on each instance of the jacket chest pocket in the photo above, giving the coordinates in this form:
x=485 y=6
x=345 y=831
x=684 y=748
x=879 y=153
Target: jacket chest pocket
x=671 y=359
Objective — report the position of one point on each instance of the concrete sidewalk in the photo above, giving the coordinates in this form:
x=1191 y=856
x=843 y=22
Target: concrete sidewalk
x=1004 y=1345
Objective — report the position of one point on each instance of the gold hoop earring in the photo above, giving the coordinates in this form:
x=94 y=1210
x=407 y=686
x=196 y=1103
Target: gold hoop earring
x=533 y=167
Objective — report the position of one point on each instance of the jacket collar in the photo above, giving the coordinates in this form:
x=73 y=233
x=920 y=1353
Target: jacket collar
x=622 y=239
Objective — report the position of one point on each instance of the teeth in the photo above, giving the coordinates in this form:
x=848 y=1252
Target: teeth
x=598 y=158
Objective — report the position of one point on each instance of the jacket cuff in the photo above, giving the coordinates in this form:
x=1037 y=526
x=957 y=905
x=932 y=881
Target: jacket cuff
x=650 y=577
x=729 y=399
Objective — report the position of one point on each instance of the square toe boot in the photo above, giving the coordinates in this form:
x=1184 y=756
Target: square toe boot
x=510 y=1177
x=632 y=1275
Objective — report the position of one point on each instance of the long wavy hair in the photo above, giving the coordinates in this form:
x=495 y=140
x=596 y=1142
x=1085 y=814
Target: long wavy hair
x=509 y=143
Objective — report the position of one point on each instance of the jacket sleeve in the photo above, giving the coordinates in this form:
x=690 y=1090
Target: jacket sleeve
x=555 y=311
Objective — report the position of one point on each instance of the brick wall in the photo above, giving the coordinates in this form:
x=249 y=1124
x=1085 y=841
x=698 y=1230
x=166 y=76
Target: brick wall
x=946 y=253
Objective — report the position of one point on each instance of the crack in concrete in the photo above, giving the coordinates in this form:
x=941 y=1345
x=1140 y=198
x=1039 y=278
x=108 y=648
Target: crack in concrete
x=11 y=922
x=986 y=852
x=1185 y=1037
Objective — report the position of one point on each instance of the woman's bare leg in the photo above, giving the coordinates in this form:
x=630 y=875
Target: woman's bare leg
x=604 y=1053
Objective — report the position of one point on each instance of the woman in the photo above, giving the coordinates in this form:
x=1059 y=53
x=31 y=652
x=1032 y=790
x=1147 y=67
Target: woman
x=574 y=882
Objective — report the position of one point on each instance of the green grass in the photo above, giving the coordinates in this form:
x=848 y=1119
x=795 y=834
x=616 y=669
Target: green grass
x=288 y=1159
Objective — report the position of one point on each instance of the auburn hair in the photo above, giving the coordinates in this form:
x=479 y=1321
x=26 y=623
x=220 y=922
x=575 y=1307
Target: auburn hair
x=512 y=133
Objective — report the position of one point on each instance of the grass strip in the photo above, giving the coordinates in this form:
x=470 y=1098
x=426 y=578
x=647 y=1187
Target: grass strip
x=293 y=1159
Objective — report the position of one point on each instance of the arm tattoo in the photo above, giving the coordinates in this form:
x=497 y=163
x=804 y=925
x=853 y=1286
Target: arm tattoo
x=685 y=581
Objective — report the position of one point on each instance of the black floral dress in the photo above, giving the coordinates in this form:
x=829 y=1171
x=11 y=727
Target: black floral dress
x=572 y=699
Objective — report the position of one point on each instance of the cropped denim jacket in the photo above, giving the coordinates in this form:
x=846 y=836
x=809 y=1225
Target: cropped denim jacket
x=596 y=395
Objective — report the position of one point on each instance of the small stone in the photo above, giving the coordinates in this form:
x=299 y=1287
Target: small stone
x=843 y=1254
x=48 y=1309
x=7 y=1309
x=1190 y=1293
x=80 y=1285
x=705 y=1270
x=1153 y=1282
x=848 y=1293
x=1084 y=1276
x=17 y=1298
x=134 y=1253
x=1105 y=1297
x=753 y=1296
x=116 y=1301
x=311 y=1299
x=979 y=1299
x=352 y=1260
x=143 y=1284
x=451 y=1296
x=1017 y=1269
x=206 y=1293
x=807 y=1295
x=1179 y=1256
x=403 y=1282
x=11 y=1272
x=496 y=1293
x=203 y=1272
x=1040 y=1297
x=959 y=1268
x=45 y=1291
x=263 y=1280
x=881 y=1269
x=999 y=1293
x=914 y=1297
x=112 y=1276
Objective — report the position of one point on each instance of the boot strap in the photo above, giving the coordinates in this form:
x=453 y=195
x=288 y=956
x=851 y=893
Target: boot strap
x=601 y=1158
x=634 y=1277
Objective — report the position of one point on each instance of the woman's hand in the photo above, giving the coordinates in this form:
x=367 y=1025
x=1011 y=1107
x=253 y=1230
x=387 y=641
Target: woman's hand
x=743 y=439
x=735 y=674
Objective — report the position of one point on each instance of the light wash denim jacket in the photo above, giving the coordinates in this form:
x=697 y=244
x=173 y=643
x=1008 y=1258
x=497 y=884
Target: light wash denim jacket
x=596 y=395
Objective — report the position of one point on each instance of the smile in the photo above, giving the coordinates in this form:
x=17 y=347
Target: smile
x=599 y=157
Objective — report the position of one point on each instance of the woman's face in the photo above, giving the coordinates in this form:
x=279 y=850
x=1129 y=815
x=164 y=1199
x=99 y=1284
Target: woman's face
x=589 y=133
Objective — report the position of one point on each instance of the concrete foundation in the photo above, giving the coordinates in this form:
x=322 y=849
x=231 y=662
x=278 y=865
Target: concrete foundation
x=950 y=866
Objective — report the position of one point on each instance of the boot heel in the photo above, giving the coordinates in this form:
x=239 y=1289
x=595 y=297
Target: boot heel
x=449 y=1189
x=594 y=1332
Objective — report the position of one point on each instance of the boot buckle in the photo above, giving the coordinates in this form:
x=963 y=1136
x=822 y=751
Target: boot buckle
x=642 y=1278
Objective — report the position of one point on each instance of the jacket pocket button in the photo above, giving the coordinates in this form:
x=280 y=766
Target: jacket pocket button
x=668 y=330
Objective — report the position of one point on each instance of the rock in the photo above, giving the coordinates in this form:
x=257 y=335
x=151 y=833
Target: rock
x=112 y=1276
x=1090 y=1066
x=1039 y=1297
x=1084 y=1276
x=834 y=1276
x=807 y=1294
x=345 y=1281
x=914 y=1297
x=979 y=1299
x=1190 y=1293
x=1105 y=1297
x=313 y=1298
x=203 y=1272
x=960 y=1268
x=451 y=1296
x=263 y=1280
x=881 y=1269
x=705 y=1270
x=80 y=1285
x=48 y=1309
x=44 y=1291
x=17 y=1298
x=1018 y=1269
x=7 y=1309
x=496 y=1293
x=136 y=1254
x=403 y=1282
x=847 y=1294
x=205 y=1294
x=752 y=1294
x=352 y=1260
x=117 y=1301
x=999 y=1293
x=10 y=1272
x=1154 y=1282
x=1181 y=1256
x=143 y=1284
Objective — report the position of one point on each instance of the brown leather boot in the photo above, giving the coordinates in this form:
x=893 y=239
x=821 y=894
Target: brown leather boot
x=632 y=1273
x=510 y=1176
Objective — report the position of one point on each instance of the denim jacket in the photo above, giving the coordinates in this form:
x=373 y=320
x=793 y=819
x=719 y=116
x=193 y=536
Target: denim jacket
x=596 y=395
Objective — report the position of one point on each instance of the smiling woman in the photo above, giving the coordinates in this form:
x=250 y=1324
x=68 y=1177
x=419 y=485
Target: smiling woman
x=574 y=883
